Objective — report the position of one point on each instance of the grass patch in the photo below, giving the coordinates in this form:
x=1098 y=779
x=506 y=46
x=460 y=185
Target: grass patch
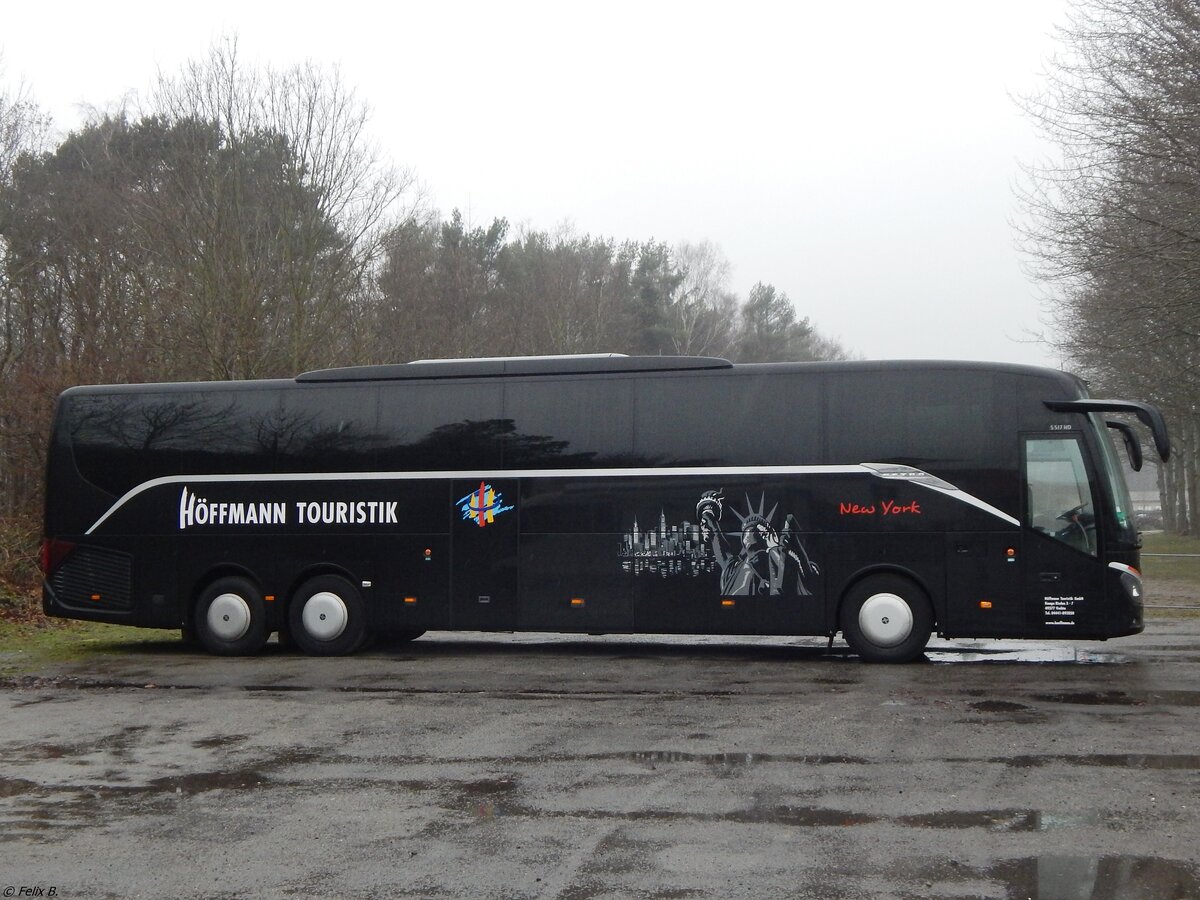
x=1162 y=542
x=1174 y=612
x=27 y=646
x=1178 y=570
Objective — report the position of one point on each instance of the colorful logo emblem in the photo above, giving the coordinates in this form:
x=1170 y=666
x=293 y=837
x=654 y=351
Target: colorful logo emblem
x=483 y=505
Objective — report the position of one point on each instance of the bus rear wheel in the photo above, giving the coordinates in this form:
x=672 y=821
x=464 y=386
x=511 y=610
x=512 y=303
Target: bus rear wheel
x=327 y=617
x=887 y=618
x=231 y=618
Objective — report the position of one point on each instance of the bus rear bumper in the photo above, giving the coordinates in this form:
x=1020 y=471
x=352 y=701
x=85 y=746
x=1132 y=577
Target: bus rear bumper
x=54 y=605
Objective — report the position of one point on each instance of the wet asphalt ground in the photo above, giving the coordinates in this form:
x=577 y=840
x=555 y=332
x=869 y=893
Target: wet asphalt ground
x=565 y=767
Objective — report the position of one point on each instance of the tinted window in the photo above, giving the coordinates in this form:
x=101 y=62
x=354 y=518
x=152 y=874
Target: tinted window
x=441 y=427
x=724 y=420
x=124 y=439
x=942 y=420
x=562 y=424
x=121 y=440
x=230 y=432
x=328 y=429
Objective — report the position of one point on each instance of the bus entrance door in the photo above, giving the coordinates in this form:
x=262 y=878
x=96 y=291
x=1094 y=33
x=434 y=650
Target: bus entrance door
x=1064 y=588
x=483 y=536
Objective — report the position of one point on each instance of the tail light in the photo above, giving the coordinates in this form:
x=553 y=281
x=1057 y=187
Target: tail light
x=53 y=553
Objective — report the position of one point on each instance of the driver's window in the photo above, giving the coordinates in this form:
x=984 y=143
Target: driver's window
x=1059 y=496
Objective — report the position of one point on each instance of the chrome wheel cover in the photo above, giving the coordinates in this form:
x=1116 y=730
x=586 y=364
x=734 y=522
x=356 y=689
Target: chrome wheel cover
x=885 y=619
x=228 y=617
x=325 y=616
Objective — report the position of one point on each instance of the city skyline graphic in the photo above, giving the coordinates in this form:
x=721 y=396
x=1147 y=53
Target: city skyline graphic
x=666 y=551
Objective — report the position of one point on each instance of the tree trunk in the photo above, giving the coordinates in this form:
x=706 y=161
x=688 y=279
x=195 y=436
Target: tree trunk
x=1192 y=475
x=1164 y=498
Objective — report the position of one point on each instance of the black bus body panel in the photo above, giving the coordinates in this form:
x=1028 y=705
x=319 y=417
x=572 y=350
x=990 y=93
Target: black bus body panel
x=770 y=553
x=647 y=529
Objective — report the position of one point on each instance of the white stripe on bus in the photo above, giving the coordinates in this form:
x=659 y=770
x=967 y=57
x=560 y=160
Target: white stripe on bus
x=938 y=485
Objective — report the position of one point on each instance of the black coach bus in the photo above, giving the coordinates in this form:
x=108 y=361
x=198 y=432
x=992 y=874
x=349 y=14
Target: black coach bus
x=885 y=500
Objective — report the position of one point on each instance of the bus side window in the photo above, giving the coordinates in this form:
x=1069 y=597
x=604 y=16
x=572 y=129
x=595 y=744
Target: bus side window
x=1059 y=496
x=432 y=426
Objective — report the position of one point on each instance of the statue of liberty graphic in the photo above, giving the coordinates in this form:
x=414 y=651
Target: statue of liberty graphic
x=766 y=561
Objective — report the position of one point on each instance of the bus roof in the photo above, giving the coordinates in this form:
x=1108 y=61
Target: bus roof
x=584 y=363
x=596 y=364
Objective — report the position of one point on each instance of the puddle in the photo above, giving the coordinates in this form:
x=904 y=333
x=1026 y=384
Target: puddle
x=1098 y=878
x=998 y=706
x=1008 y=821
x=487 y=787
x=723 y=759
x=1151 y=761
x=219 y=741
x=202 y=782
x=1144 y=761
x=1042 y=655
x=1091 y=698
x=247 y=778
x=651 y=757
x=801 y=817
x=1004 y=820
x=15 y=787
x=50 y=751
x=1123 y=698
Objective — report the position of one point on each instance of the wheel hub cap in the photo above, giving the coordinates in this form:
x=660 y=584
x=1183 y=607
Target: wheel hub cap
x=229 y=617
x=325 y=616
x=885 y=619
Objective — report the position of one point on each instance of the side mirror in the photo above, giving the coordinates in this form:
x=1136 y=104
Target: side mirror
x=1132 y=445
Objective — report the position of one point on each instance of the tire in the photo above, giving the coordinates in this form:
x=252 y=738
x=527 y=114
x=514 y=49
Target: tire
x=327 y=617
x=231 y=618
x=887 y=618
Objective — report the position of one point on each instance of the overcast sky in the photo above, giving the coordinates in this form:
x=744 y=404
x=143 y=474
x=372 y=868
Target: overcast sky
x=860 y=157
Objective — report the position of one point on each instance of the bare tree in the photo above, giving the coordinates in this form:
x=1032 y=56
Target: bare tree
x=23 y=128
x=23 y=401
x=231 y=231
x=23 y=125
x=1116 y=218
x=309 y=199
x=704 y=312
x=561 y=292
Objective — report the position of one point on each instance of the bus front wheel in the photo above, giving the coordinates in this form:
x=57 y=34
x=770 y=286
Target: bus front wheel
x=327 y=617
x=886 y=618
x=231 y=618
